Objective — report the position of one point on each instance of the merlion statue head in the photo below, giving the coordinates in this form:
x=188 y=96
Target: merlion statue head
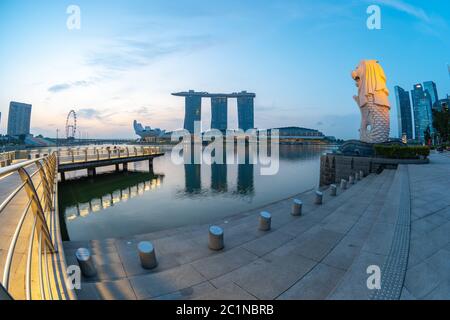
x=371 y=82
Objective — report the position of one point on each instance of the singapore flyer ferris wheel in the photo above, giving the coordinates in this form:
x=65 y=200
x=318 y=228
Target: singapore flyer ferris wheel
x=71 y=125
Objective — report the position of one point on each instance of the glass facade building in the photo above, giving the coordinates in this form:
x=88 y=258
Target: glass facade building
x=219 y=113
x=246 y=116
x=423 y=117
x=404 y=116
x=193 y=111
x=19 y=119
x=430 y=88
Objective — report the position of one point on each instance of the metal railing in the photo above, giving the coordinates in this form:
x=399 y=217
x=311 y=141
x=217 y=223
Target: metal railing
x=73 y=155
x=35 y=267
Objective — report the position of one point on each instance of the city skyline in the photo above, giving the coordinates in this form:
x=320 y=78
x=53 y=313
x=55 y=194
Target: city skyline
x=127 y=58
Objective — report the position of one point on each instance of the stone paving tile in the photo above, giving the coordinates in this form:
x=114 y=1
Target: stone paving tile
x=231 y=291
x=217 y=265
x=298 y=226
x=440 y=262
x=380 y=239
x=421 y=280
x=445 y=213
x=406 y=295
x=353 y=285
x=111 y=271
x=423 y=225
x=115 y=290
x=269 y=242
x=194 y=292
x=316 y=243
x=422 y=248
x=342 y=255
x=269 y=277
x=88 y=291
x=316 y=285
x=441 y=292
x=165 y=282
x=441 y=234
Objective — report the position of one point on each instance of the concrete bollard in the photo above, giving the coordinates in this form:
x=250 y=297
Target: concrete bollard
x=343 y=184
x=147 y=255
x=85 y=262
x=356 y=177
x=350 y=179
x=265 y=221
x=361 y=174
x=297 y=207
x=216 y=238
x=319 y=197
x=333 y=190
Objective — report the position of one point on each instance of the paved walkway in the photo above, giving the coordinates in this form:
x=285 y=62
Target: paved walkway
x=428 y=273
x=323 y=254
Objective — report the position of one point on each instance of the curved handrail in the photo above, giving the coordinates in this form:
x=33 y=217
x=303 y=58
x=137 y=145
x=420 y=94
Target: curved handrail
x=42 y=203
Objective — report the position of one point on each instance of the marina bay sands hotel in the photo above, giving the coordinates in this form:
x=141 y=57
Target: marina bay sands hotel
x=219 y=109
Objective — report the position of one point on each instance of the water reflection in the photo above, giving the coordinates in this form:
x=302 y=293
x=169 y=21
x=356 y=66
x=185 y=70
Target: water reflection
x=120 y=205
x=81 y=197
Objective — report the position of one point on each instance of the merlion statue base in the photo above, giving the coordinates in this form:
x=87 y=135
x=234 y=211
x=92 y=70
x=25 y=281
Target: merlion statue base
x=356 y=148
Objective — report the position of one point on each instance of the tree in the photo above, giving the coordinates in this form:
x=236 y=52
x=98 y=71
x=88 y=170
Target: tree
x=427 y=136
x=441 y=121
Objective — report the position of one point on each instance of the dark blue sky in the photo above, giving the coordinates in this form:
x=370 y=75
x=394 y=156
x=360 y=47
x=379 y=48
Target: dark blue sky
x=129 y=56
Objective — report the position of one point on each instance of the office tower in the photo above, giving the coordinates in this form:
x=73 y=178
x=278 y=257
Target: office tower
x=193 y=111
x=430 y=88
x=422 y=112
x=219 y=113
x=246 y=111
x=405 y=125
x=19 y=119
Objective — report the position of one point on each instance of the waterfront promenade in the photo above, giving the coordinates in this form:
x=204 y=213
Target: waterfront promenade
x=398 y=220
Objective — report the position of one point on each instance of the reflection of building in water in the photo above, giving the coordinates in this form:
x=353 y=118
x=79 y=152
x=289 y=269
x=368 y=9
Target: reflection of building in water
x=192 y=169
x=219 y=177
x=102 y=198
x=219 y=173
x=193 y=177
x=245 y=182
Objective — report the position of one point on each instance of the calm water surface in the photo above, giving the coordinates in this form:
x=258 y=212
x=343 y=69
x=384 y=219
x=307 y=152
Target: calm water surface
x=140 y=201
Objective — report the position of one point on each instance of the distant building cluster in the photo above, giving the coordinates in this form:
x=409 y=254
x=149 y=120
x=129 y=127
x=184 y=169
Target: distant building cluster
x=415 y=110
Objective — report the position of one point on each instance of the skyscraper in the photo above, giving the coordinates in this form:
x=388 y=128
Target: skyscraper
x=193 y=111
x=246 y=111
x=19 y=119
x=219 y=113
x=423 y=118
x=405 y=125
x=430 y=88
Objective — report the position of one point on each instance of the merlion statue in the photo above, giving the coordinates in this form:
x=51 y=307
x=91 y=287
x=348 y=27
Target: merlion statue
x=373 y=101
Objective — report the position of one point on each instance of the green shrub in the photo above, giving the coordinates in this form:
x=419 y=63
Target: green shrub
x=401 y=152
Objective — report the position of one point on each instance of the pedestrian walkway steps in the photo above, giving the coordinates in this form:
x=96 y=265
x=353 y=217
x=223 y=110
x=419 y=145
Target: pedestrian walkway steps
x=300 y=258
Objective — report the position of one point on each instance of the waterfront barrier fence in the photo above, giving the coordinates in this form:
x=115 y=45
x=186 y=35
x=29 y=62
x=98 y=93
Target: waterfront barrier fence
x=34 y=268
x=72 y=155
